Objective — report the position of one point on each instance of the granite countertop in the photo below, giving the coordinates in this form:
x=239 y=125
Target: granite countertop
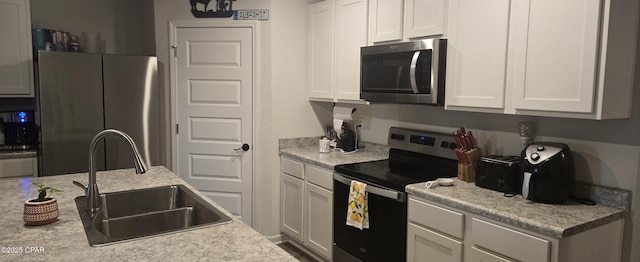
x=65 y=239
x=307 y=150
x=557 y=221
x=7 y=154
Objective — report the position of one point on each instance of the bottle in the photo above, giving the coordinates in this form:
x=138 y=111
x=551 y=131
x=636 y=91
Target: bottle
x=1 y=131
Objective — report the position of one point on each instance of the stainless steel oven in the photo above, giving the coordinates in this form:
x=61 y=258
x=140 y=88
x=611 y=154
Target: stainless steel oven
x=409 y=72
x=415 y=156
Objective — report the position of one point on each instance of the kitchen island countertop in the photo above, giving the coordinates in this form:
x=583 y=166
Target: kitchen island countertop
x=65 y=239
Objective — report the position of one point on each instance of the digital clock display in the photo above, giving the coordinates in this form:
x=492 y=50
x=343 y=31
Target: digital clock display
x=423 y=140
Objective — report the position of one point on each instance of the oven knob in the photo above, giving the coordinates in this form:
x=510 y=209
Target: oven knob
x=535 y=156
x=540 y=148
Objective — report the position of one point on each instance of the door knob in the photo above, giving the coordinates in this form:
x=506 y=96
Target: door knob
x=245 y=147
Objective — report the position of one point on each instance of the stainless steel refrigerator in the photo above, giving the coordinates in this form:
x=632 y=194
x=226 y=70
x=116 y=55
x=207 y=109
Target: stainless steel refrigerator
x=82 y=94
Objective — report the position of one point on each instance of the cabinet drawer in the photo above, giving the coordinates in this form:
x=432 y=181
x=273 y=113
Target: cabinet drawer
x=291 y=167
x=15 y=167
x=478 y=255
x=440 y=219
x=319 y=176
x=508 y=242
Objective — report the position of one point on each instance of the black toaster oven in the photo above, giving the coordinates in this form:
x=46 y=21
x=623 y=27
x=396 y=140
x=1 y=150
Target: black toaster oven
x=499 y=173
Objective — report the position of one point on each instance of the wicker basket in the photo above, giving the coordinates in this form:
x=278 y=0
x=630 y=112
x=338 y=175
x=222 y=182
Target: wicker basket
x=40 y=213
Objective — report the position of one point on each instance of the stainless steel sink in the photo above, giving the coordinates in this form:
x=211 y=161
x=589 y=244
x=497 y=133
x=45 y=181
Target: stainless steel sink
x=133 y=214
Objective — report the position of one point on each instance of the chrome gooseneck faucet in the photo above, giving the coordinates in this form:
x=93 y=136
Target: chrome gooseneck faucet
x=92 y=195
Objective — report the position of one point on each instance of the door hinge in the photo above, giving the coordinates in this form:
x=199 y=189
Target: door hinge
x=175 y=50
x=177 y=128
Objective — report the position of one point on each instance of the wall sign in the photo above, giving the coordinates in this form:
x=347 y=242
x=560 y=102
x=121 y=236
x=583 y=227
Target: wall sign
x=222 y=8
x=251 y=14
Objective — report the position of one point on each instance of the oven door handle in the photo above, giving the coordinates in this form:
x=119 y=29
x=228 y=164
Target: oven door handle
x=397 y=196
x=412 y=72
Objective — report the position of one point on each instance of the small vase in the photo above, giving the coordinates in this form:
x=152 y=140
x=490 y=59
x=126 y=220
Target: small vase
x=40 y=213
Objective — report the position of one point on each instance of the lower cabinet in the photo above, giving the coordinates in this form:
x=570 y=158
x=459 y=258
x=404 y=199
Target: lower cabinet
x=433 y=233
x=440 y=233
x=307 y=205
x=19 y=167
x=319 y=219
x=291 y=198
x=427 y=245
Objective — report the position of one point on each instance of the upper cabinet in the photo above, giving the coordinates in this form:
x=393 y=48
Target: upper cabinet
x=425 y=18
x=321 y=50
x=477 y=53
x=338 y=29
x=16 y=77
x=396 y=20
x=555 y=53
x=542 y=57
x=386 y=20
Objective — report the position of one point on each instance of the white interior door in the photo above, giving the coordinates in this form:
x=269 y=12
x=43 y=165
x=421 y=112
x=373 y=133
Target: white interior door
x=213 y=69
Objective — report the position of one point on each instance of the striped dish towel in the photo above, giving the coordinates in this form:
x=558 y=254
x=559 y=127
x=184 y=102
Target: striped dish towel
x=358 y=208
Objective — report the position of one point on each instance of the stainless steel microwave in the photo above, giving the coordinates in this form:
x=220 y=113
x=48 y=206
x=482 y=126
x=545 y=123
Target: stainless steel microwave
x=410 y=72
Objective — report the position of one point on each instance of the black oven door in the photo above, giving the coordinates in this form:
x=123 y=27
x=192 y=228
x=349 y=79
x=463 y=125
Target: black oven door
x=385 y=239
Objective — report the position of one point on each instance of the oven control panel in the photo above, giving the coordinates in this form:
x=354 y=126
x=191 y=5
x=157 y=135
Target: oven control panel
x=422 y=141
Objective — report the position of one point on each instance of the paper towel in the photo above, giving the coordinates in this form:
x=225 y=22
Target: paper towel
x=340 y=114
x=91 y=42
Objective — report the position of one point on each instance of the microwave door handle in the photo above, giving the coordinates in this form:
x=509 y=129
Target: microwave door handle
x=373 y=189
x=412 y=72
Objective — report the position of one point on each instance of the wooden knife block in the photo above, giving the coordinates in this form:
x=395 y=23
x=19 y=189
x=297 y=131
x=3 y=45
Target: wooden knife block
x=467 y=172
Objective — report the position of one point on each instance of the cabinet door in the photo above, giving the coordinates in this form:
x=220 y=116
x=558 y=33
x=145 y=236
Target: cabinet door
x=425 y=18
x=385 y=20
x=477 y=53
x=556 y=55
x=16 y=78
x=319 y=219
x=291 y=201
x=351 y=35
x=321 y=43
x=426 y=245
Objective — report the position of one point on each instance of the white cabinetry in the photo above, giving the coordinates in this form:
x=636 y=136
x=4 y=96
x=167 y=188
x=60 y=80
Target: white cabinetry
x=440 y=233
x=307 y=205
x=19 y=167
x=556 y=75
x=292 y=198
x=542 y=57
x=321 y=50
x=16 y=58
x=386 y=20
x=433 y=233
x=338 y=29
x=477 y=53
x=425 y=18
x=396 y=20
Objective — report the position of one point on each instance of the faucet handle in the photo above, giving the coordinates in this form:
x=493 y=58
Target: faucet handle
x=80 y=185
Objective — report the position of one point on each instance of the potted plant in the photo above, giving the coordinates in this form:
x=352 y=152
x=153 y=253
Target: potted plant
x=42 y=210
